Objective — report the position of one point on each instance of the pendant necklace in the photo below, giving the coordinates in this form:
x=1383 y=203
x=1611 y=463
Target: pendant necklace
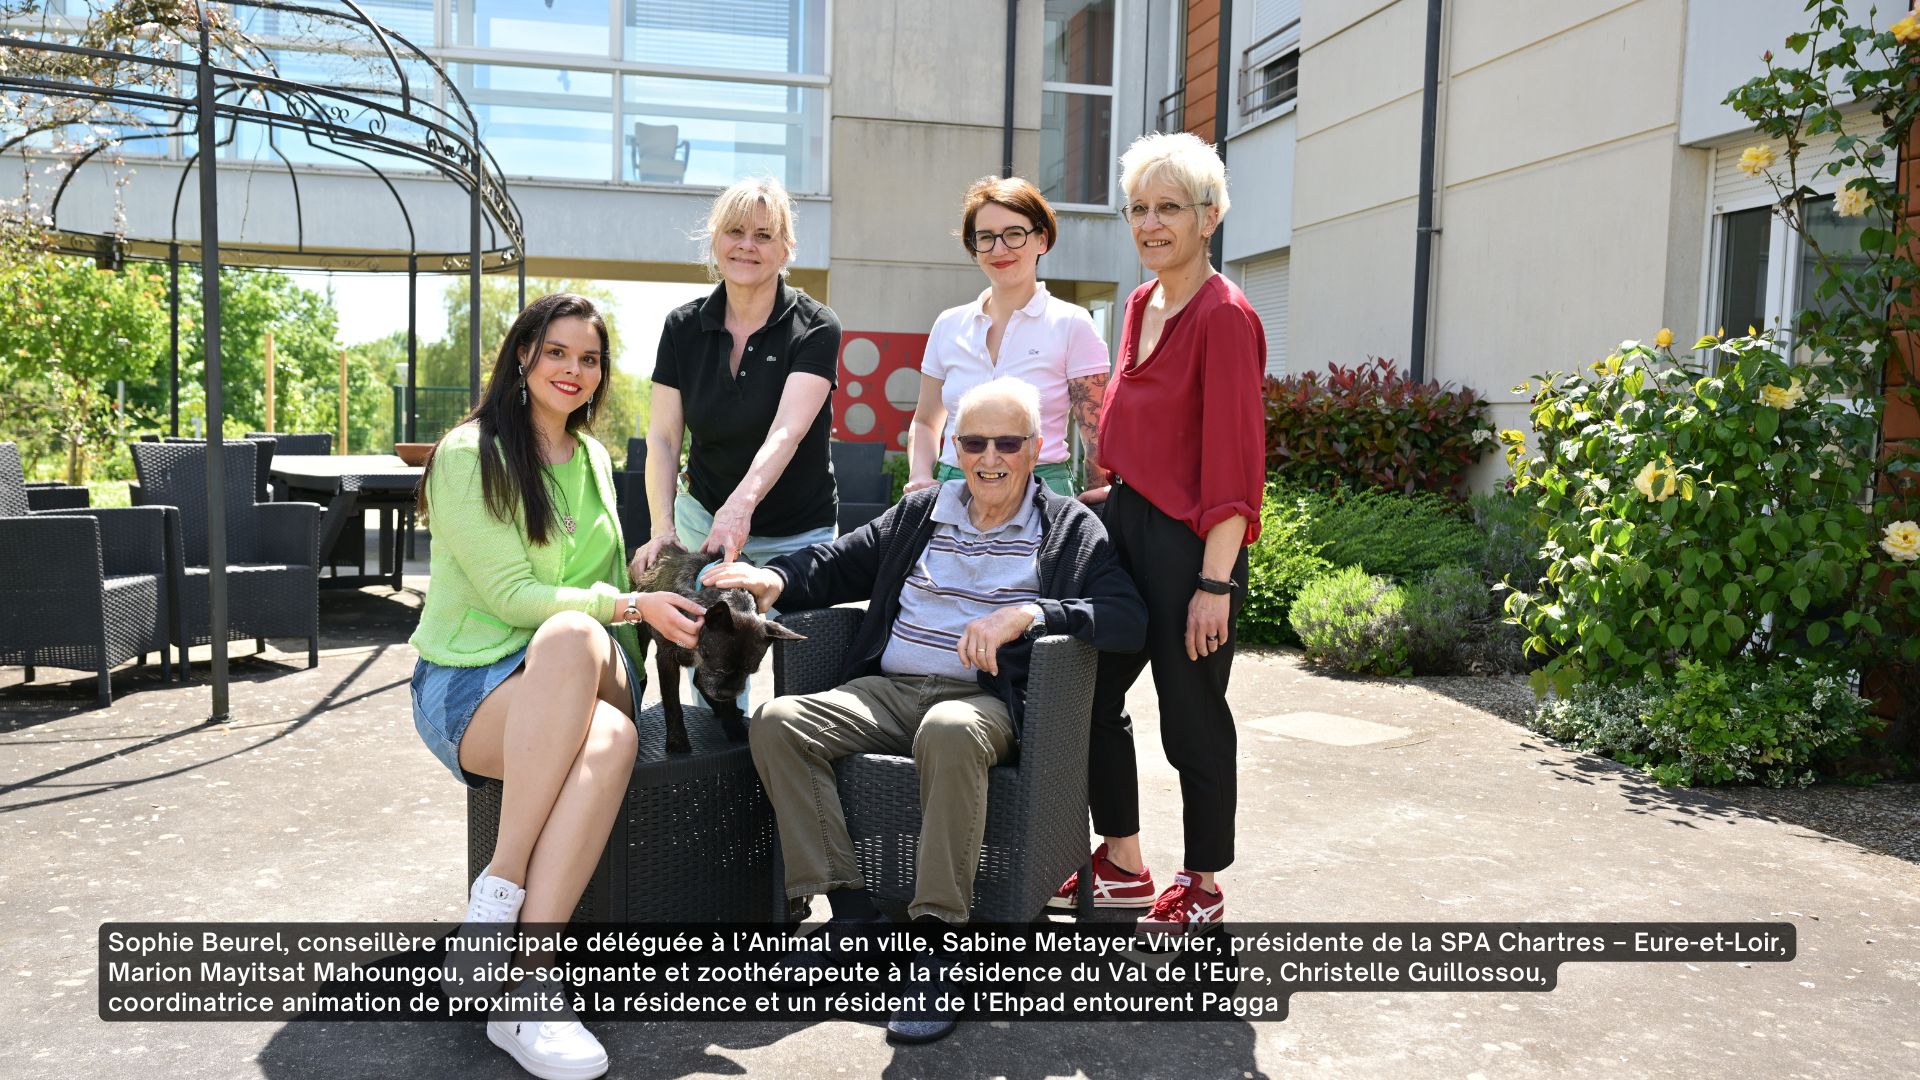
x=566 y=518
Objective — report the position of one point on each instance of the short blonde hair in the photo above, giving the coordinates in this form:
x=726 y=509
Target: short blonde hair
x=1189 y=161
x=1007 y=388
x=734 y=208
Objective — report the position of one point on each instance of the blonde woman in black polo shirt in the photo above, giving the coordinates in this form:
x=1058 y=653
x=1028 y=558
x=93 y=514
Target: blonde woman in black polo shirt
x=749 y=370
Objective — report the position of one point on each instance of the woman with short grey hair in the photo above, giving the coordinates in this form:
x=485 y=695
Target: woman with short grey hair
x=1182 y=435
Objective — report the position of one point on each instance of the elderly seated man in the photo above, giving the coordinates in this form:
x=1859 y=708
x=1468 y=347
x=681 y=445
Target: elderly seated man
x=959 y=579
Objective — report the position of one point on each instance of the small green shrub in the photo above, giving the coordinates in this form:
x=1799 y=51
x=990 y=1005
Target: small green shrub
x=1400 y=536
x=1441 y=608
x=1514 y=535
x=1740 y=721
x=1370 y=426
x=896 y=467
x=1353 y=621
x=1279 y=564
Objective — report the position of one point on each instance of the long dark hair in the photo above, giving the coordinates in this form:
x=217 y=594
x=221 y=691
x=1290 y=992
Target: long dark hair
x=511 y=477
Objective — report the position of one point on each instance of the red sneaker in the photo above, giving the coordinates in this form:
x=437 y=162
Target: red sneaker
x=1112 y=886
x=1185 y=907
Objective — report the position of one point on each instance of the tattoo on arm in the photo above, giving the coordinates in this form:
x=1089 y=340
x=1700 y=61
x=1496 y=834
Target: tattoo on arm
x=1084 y=397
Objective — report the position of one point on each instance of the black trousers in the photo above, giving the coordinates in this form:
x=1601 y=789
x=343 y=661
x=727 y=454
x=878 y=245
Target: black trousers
x=1196 y=727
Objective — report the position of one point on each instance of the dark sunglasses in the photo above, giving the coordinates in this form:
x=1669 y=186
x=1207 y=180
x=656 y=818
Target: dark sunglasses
x=977 y=444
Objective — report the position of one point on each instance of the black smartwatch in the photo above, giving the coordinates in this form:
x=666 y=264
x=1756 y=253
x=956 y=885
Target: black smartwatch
x=1217 y=588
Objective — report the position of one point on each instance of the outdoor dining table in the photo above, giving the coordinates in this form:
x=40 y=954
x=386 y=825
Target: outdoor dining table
x=348 y=484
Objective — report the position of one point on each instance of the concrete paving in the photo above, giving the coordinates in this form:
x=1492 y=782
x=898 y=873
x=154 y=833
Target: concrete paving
x=1361 y=800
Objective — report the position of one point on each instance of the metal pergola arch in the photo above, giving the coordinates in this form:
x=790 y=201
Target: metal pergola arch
x=345 y=121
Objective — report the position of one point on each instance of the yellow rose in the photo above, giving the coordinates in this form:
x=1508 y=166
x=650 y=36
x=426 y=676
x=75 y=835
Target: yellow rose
x=1663 y=339
x=1755 y=159
x=1851 y=201
x=1782 y=398
x=1906 y=31
x=1901 y=540
x=1654 y=482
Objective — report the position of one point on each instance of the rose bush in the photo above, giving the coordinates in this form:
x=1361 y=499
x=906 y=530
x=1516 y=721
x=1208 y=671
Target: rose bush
x=1694 y=517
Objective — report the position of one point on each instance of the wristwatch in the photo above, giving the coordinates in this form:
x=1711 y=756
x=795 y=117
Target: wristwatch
x=1038 y=627
x=1217 y=588
x=629 y=610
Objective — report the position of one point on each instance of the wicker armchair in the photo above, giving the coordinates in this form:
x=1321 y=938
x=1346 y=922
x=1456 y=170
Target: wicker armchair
x=273 y=588
x=82 y=589
x=56 y=496
x=352 y=545
x=861 y=481
x=1036 y=804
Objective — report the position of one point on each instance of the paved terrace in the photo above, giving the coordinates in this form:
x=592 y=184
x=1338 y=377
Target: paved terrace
x=1360 y=800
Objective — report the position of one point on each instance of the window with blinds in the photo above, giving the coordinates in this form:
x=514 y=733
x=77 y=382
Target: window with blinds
x=1265 y=281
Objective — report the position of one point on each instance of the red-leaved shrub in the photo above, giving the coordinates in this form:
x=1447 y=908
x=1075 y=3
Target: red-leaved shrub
x=1370 y=426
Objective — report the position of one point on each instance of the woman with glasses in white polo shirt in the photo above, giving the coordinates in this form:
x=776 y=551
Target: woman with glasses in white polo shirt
x=1013 y=329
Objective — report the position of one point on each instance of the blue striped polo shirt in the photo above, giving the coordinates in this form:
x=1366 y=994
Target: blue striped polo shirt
x=962 y=574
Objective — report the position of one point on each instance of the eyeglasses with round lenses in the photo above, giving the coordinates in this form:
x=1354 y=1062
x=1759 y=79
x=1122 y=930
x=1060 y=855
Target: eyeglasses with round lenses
x=982 y=242
x=977 y=444
x=1164 y=212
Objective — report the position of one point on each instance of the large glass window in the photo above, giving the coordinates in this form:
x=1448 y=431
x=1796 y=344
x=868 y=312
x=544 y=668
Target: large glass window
x=657 y=126
x=1766 y=274
x=564 y=26
x=687 y=131
x=1076 y=102
x=411 y=19
x=1744 y=239
x=542 y=121
x=1839 y=238
x=747 y=35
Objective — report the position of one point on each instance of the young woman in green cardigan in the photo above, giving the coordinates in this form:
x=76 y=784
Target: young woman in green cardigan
x=527 y=641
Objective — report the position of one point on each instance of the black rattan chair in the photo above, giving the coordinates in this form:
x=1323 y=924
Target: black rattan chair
x=287 y=442
x=273 y=589
x=83 y=589
x=352 y=545
x=860 y=478
x=694 y=840
x=1036 y=804
x=51 y=495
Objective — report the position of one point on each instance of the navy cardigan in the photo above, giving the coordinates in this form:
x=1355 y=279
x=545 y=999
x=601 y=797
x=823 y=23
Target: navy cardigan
x=1083 y=589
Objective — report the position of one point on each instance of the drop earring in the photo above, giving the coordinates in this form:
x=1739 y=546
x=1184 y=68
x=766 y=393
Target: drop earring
x=589 y=410
x=523 y=383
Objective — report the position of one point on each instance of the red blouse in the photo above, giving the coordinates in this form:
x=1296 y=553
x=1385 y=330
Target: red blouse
x=1186 y=428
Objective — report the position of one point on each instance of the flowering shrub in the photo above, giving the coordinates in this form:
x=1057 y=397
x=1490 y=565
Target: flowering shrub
x=1353 y=620
x=1698 y=518
x=1859 y=86
x=1370 y=426
x=1717 y=723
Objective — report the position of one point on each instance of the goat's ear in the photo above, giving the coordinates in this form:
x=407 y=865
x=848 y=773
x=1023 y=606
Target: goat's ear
x=777 y=632
x=719 y=616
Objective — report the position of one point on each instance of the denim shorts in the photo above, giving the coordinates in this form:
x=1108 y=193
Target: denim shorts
x=445 y=699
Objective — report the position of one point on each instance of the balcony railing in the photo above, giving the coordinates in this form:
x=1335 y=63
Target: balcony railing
x=1269 y=73
x=1171 y=115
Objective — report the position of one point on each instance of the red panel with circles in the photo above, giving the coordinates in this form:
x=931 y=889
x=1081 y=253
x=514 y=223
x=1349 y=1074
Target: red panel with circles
x=879 y=384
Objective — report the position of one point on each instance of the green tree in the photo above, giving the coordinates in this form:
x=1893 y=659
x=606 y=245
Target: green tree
x=71 y=331
x=619 y=413
x=306 y=361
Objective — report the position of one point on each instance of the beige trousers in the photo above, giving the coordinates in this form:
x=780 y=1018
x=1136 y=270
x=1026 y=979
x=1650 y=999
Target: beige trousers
x=955 y=732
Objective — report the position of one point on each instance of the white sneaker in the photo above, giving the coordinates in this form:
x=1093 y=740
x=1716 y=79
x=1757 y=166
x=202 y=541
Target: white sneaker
x=493 y=901
x=556 y=1048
